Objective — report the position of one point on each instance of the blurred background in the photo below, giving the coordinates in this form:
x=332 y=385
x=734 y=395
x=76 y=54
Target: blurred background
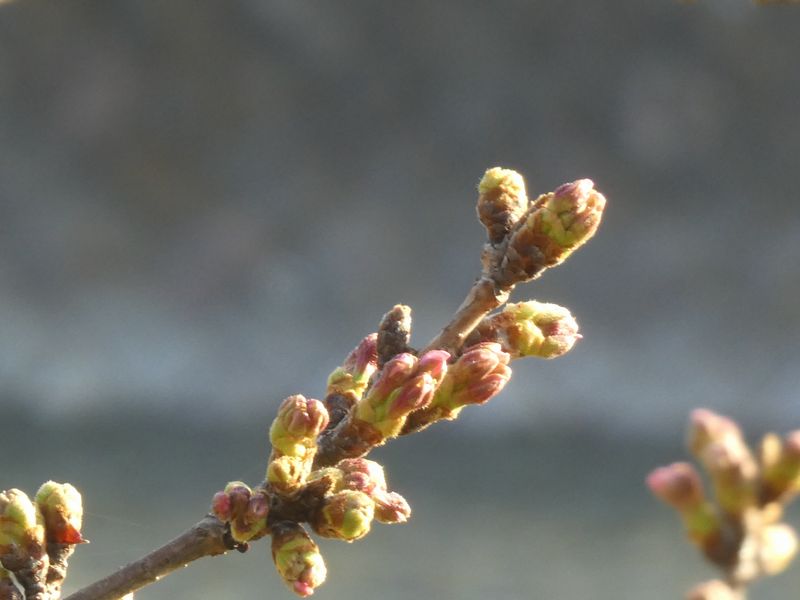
x=204 y=206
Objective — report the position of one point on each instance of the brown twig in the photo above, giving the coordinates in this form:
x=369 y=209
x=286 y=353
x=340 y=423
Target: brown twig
x=205 y=538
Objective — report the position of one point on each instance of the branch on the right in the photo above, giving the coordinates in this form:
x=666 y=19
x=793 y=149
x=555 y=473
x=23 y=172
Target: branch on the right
x=740 y=529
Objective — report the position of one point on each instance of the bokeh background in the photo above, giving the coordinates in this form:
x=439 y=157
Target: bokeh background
x=205 y=205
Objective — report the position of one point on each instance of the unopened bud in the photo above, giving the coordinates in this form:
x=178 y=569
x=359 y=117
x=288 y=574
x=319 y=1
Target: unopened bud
x=406 y=384
x=361 y=475
x=733 y=472
x=555 y=226
x=246 y=510
x=62 y=510
x=351 y=379
x=712 y=590
x=297 y=558
x=501 y=201
x=391 y=508
x=346 y=515
x=297 y=425
x=777 y=548
x=706 y=426
x=780 y=463
x=394 y=333
x=529 y=329
x=678 y=485
x=20 y=522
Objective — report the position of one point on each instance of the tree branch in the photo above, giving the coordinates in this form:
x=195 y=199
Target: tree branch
x=205 y=538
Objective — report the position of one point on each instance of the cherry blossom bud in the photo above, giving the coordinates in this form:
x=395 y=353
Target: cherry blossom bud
x=297 y=558
x=501 y=202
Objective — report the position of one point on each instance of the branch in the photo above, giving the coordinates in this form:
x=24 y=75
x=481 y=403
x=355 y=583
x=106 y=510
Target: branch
x=206 y=538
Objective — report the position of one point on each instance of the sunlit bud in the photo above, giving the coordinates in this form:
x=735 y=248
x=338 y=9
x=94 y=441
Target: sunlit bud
x=394 y=333
x=706 y=426
x=406 y=384
x=352 y=377
x=297 y=558
x=478 y=375
x=61 y=507
x=391 y=508
x=780 y=462
x=712 y=590
x=251 y=522
x=529 y=329
x=777 y=548
x=555 y=226
x=346 y=515
x=361 y=475
x=20 y=522
x=287 y=474
x=501 y=201
x=297 y=425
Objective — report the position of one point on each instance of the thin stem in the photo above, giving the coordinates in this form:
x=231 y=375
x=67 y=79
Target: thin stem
x=483 y=298
x=205 y=538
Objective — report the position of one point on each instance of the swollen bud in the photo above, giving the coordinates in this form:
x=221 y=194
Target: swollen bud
x=297 y=558
x=62 y=510
x=555 y=225
x=394 y=333
x=20 y=523
x=780 y=464
x=297 y=425
x=529 y=329
x=346 y=515
x=501 y=201
x=679 y=486
x=405 y=384
x=244 y=509
x=351 y=379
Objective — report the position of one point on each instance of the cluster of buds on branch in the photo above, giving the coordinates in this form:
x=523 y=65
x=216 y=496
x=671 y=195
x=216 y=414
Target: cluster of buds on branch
x=317 y=474
x=37 y=537
x=740 y=530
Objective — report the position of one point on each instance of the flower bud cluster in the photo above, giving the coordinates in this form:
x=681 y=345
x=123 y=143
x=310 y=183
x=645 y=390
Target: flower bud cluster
x=738 y=528
x=294 y=442
x=317 y=473
x=532 y=236
x=244 y=509
x=36 y=539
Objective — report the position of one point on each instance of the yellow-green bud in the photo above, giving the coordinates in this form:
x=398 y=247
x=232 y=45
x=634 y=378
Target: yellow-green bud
x=297 y=558
x=530 y=329
x=501 y=202
x=20 y=522
x=351 y=379
x=346 y=515
x=295 y=428
x=62 y=509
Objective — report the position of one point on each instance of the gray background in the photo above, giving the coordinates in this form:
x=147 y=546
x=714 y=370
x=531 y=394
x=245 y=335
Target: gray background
x=205 y=205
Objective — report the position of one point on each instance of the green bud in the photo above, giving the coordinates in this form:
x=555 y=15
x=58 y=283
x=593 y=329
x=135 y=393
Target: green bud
x=20 y=522
x=297 y=558
x=529 y=329
x=501 y=202
x=346 y=515
x=244 y=509
x=287 y=474
x=62 y=509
